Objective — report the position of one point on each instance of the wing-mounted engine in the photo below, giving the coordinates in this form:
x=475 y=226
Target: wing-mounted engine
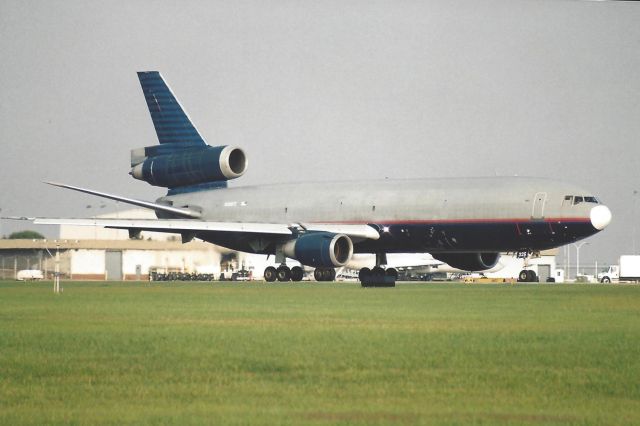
x=320 y=249
x=469 y=261
x=173 y=167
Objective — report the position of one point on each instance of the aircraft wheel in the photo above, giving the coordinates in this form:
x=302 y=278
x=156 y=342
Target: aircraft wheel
x=392 y=272
x=297 y=273
x=329 y=274
x=270 y=274
x=533 y=278
x=377 y=272
x=318 y=274
x=523 y=276
x=283 y=273
x=364 y=274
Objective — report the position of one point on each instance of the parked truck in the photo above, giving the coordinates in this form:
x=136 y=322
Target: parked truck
x=627 y=270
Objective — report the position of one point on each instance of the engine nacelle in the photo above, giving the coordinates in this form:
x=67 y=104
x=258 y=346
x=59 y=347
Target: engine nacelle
x=177 y=168
x=320 y=249
x=469 y=261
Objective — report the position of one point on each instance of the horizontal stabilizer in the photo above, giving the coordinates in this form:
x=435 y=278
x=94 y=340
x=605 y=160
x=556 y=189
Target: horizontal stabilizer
x=139 y=203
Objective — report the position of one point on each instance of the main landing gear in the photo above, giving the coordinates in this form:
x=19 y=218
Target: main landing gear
x=283 y=274
x=378 y=276
x=324 y=274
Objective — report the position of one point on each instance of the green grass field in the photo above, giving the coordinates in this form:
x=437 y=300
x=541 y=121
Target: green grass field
x=319 y=354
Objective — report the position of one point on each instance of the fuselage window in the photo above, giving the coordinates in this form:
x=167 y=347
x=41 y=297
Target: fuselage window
x=591 y=200
x=568 y=200
x=577 y=200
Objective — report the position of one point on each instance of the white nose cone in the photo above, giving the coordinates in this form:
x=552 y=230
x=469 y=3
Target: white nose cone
x=600 y=217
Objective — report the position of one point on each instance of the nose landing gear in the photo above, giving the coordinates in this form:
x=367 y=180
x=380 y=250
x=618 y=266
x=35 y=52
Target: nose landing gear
x=527 y=276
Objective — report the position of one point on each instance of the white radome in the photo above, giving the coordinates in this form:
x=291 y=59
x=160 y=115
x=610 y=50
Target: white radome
x=600 y=217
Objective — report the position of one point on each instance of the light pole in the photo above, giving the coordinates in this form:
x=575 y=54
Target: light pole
x=56 y=279
x=635 y=217
x=578 y=246
x=567 y=250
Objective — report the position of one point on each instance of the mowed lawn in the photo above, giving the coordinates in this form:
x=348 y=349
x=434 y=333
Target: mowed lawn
x=258 y=353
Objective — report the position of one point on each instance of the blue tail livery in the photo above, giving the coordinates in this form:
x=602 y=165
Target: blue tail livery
x=182 y=162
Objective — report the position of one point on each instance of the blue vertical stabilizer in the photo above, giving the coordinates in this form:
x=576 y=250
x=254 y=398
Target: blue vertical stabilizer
x=171 y=122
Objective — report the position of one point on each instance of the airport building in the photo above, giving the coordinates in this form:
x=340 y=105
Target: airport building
x=108 y=259
x=95 y=253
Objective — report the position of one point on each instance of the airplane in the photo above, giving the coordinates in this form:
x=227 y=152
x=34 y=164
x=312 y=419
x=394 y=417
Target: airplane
x=464 y=222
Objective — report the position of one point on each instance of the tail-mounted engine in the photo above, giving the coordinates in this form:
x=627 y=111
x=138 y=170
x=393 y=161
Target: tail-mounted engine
x=182 y=161
x=173 y=167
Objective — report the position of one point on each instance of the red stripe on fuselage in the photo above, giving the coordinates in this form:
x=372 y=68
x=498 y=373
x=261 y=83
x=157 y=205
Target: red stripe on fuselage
x=460 y=221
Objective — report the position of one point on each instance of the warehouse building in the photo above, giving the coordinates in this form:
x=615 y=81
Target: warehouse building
x=96 y=253
x=109 y=259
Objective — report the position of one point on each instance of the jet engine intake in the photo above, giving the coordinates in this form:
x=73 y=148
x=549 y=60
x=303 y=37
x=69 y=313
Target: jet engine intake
x=320 y=249
x=190 y=166
x=469 y=261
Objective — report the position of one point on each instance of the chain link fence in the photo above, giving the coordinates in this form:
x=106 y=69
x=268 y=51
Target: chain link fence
x=11 y=263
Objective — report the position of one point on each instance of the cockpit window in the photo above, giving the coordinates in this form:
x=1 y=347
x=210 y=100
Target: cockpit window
x=577 y=199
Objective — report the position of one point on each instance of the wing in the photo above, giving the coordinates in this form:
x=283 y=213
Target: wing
x=170 y=225
x=356 y=232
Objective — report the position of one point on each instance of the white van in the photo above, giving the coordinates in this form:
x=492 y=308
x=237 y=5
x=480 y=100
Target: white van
x=30 y=275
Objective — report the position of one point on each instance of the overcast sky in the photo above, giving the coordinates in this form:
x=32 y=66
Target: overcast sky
x=322 y=90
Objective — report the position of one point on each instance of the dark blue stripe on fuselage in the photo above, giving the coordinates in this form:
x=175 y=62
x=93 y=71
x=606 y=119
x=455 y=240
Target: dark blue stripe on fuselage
x=480 y=236
x=444 y=237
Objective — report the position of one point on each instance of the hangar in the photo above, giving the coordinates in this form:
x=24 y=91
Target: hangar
x=95 y=253
x=108 y=259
